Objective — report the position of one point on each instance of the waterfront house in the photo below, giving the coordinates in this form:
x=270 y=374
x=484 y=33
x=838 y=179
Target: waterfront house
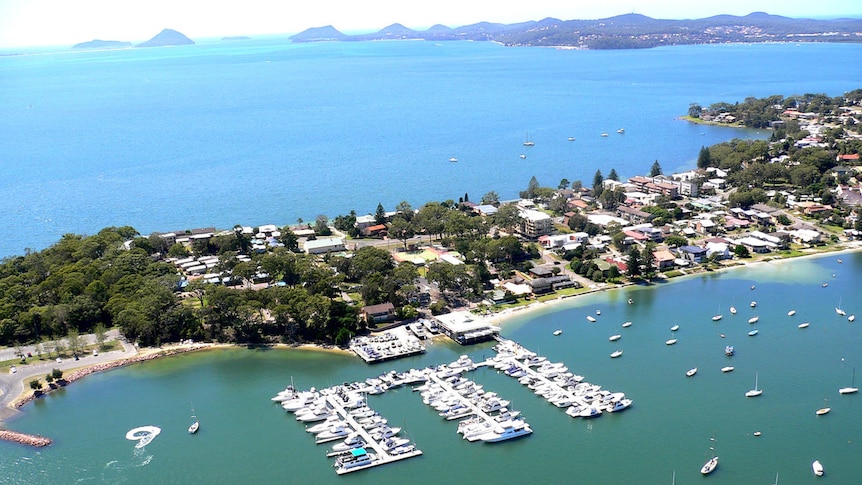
x=663 y=259
x=693 y=254
x=383 y=312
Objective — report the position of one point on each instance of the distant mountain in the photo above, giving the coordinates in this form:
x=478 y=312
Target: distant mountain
x=622 y=32
x=165 y=38
x=102 y=44
x=319 y=34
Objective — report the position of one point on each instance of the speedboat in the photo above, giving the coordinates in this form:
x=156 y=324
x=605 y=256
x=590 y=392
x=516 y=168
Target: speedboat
x=803 y=325
x=631 y=301
x=753 y=319
x=752 y=304
x=691 y=372
x=590 y=413
x=616 y=353
x=727 y=369
x=791 y=313
x=627 y=324
x=591 y=318
x=851 y=318
x=670 y=341
x=194 y=427
x=753 y=333
x=817 y=467
x=558 y=332
x=822 y=411
x=453 y=159
x=614 y=338
x=728 y=350
x=619 y=405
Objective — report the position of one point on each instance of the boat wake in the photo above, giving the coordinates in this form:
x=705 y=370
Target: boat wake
x=143 y=435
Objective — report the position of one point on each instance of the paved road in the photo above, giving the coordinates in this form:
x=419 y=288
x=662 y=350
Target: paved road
x=9 y=353
x=12 y=385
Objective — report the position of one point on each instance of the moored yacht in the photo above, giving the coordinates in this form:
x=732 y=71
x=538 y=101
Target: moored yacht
x=507 y=431
x=353 y=459
x=817 y=468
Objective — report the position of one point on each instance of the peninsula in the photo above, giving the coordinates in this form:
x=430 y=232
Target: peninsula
x=630 y=31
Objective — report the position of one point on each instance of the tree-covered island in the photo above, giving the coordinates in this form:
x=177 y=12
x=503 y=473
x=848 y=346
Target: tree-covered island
x=309 y=282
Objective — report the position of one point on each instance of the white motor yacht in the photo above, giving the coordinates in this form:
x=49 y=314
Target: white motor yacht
x=511 y=430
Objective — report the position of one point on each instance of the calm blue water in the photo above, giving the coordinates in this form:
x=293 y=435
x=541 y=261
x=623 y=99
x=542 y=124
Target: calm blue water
x=245 y=438
x=263 y=131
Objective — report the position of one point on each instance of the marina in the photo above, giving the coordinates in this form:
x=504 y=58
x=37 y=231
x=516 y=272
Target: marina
x=366 y=439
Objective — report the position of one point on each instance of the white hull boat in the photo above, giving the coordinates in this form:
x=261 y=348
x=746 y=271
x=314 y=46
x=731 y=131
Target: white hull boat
x=817 y=468
x=754 y=392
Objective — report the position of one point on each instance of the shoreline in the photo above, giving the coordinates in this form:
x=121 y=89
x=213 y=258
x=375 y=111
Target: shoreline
x=12 y=404
x=500 y=318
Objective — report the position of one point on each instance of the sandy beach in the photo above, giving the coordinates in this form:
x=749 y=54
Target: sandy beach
x=500 y=318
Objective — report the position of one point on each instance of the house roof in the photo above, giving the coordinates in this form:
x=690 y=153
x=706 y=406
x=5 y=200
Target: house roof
x=377 y=309
x=692 y=249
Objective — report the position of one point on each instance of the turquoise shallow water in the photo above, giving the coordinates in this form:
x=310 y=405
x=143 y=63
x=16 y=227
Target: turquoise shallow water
x=262 y=131
x=244 y=437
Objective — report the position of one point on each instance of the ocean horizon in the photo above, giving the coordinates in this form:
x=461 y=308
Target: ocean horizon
x=263 y=131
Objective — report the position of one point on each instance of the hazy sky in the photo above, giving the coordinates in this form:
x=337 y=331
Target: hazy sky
x=62 y=22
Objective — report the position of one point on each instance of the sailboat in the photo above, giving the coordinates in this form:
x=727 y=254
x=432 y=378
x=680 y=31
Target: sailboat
x=838 y=309
x=196 y=425
x=754 y=392
x=527 y=141
x=823 y=410
x=712 y=463
x=717 y=316
x=852 y=389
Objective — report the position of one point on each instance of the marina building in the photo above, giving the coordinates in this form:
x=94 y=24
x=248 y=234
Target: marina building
x=466 y=328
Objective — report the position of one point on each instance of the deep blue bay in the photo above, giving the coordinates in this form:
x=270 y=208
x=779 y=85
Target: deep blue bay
x=262 y=131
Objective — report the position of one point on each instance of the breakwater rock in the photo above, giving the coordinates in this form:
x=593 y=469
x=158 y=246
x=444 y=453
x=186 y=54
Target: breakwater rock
x=24 y=439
